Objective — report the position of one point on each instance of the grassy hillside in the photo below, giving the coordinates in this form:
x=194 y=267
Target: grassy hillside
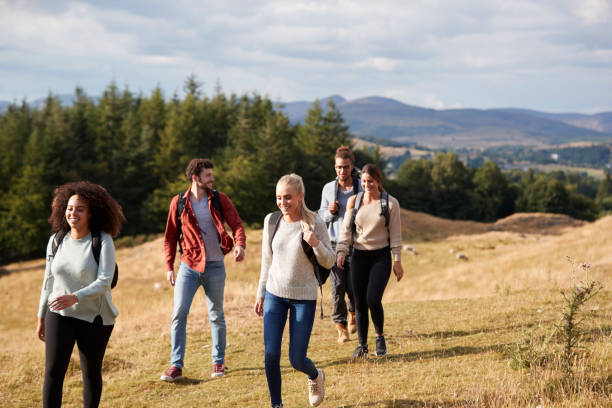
x=451 y=326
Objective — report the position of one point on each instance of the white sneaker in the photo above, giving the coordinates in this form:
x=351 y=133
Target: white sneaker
x=316 y=390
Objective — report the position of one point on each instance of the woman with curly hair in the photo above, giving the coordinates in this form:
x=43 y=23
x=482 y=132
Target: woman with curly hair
x=75 y=300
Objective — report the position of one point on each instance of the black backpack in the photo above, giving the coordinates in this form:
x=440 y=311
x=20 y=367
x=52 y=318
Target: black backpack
x=320 y=272
x=96 y=247
x=180 y=207
x=384 y=211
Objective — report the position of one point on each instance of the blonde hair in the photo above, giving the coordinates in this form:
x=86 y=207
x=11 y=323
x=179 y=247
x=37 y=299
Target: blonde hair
x=307 y=217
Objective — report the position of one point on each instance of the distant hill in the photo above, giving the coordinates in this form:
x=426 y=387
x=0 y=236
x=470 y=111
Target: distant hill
x=386 y=118
x=601 y=122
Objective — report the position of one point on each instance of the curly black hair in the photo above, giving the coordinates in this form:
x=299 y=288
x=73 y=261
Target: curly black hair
x=106 y=213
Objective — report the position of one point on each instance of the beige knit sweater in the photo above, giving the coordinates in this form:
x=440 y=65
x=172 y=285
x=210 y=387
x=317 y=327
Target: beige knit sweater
x=371 y=232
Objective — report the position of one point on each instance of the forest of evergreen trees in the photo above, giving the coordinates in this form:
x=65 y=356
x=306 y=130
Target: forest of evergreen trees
x=138 y=147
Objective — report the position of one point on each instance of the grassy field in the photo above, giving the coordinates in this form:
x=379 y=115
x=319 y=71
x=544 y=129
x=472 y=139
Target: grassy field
x=451 y=326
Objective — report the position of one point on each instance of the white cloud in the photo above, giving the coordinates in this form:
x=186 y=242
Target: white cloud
x=593 y=11
x=468 y=52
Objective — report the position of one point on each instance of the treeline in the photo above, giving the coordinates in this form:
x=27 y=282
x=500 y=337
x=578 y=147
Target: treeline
x=138 y=147
x=596 y=156
x=447 y=188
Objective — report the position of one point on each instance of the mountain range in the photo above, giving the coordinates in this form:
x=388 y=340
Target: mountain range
x=385 y=118
x=388 y=119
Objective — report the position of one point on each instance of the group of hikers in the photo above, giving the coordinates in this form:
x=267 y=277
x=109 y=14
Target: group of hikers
x=356 y=233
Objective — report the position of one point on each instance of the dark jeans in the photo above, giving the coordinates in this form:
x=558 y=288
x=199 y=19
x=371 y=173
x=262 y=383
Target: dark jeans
x=370 y=272
x=340 y=286
x=61 y=333
x=301 y=318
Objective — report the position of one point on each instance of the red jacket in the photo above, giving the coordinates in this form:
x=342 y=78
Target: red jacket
x=194 y=253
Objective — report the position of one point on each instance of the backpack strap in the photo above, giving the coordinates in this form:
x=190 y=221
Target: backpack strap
x=216 y=201
x=313 y=260
x=58 y=238
x=384 y=207
x=273 y=222
x=355 y=177
x=358 y=200
x=96 y=245
x=180 y=206
x=335 y=216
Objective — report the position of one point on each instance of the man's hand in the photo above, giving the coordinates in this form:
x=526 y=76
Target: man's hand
x=170 y=277
x=333 y=207
x=238 y=253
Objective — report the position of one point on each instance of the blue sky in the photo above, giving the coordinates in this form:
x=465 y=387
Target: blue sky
x=552 y=55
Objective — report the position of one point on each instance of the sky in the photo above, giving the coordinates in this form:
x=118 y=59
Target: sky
x=548 y=55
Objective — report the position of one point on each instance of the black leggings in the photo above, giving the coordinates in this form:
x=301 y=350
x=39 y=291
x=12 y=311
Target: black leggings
x=370 y=272
x=61 y=332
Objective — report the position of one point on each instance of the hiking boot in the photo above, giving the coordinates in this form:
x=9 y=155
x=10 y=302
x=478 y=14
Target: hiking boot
x=361 y=352
x=218 y=370
x=343 y=335
x=316 y=390
x=381 y=346
x=352 y=323
x=172 y=374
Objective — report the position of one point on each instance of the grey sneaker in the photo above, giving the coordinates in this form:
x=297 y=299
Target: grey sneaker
x=361 y=352
x=381 y=346
x=316 y=389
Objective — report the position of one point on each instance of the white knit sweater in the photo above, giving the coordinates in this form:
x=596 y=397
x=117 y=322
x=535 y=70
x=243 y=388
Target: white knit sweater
x=285 y=270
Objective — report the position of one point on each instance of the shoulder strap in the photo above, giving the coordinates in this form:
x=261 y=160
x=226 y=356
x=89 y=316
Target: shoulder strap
x=358 y=199
x=355 y=182
x=96 y=248
x=180 y=206
x=273 y=222
x=58 y=238
x=96 y=245
x=384 y=207
x=216 y=201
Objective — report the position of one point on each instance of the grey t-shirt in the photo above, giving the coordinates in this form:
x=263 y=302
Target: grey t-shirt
x=329 y=196
x=210 y=235
x=74 y=270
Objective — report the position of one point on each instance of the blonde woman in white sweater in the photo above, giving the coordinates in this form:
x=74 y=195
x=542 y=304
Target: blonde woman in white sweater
x=288 y=286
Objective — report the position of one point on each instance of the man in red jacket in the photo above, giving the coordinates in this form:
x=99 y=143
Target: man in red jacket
x=195 y=222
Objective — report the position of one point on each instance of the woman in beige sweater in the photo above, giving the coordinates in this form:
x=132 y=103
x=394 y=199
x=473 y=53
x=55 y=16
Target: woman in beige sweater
x=373 y=240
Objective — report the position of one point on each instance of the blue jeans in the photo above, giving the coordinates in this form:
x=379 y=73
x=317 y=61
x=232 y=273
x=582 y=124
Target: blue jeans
x=301 y=318
x=187 y=283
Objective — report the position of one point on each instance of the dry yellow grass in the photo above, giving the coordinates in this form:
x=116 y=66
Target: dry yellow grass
x=444 y=350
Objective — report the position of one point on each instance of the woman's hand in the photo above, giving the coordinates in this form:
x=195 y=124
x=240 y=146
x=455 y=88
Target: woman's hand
x=62 y=302
x=259 y=305
x=311 y=238
x=398 y=270
x=40 y=329
x=340 y=260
